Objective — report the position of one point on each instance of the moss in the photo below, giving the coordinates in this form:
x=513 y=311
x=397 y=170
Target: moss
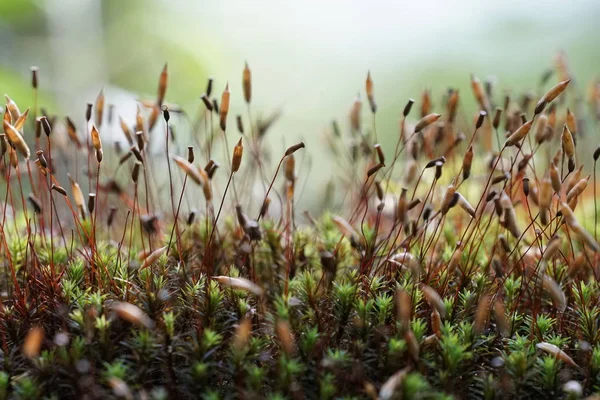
x=358 y=304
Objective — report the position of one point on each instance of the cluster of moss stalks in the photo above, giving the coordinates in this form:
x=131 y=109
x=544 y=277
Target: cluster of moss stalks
x=460 y=265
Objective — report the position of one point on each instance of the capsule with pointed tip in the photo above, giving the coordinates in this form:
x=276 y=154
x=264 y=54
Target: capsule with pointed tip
x=479 y=93
x=426 y=121
x=577 y=189
x=541 y=133
x=59 y=189
x=555 y=178
x=189 y=169
x=545 y=195
x=568 y=146
x=373 y=170
x=519 y=134
x=78 y=196
x=20 y=122
x=13 y=110
x=236 y=161
x=551 y=95
x=448 y=199
x=370 y=95
x=99 y=106
x=425 y=102
x=247 y=83
x=224 y=108
x=126 y=130
x=467 y=163
x=294 y=148
x=97 y=143
x=16 y=139
x=355 y=112
x=571 y=123
x=452 y=105
x=162 y=85
x=72 y=132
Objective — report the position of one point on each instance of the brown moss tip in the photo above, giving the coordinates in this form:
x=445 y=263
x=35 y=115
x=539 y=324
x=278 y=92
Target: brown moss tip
x=370 y=95
x=292 y=149
x=99 y=108
x=33 y=342
x=88 y=112
x=526 y=188
x=166 y=113
x=224 y=110
x=206 y=102
x=46 y=125
x=34 y=76
x=426 y=121
x=374 y=169
x=35 y=203
x=236 y=161
x=596 y=153
x=480 y=119
x=91 y=204
x=59 y=189
x=240 y=124
x=467 y=163
x=380 y=154
x=247 y=83
x=209 y=87
x=135 y=173
x=162 y=85
x=408 y=107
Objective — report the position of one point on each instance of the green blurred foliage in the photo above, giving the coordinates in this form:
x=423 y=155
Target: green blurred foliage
x=22 y=15
x=137 y=45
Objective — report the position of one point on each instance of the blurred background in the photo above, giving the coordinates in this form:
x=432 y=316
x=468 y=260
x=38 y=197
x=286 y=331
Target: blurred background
x=309 y=58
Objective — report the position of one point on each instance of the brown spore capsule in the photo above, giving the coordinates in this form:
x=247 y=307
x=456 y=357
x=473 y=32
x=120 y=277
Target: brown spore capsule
x=236 y=161
x=247 y=83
